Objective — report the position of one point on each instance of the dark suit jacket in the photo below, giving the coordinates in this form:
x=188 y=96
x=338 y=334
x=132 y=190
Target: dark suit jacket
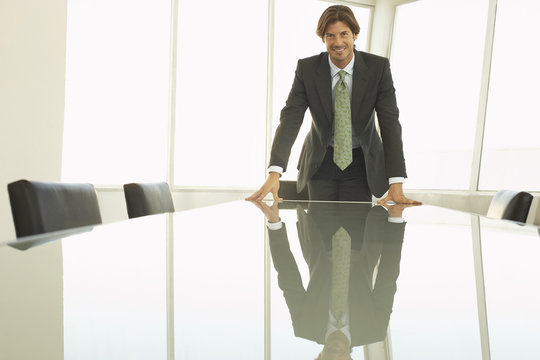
x=373 y=238
x=372 y=91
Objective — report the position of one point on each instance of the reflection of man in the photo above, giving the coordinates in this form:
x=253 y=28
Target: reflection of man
x=375 y=240
x=343 y=156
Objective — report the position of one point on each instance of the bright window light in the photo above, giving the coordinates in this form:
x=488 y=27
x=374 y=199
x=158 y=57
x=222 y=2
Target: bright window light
x=511 y=147
x=116 y=108
x=437 y=55
x=221 y=93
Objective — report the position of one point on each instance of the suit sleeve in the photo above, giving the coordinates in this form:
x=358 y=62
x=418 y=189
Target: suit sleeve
x=290 y=121
x=289 y=279
x=388 y=117
x=385 y=284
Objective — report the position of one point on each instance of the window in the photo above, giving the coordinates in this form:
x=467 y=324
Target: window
x=511 y=147
x=116 y=111
x=436 y=58
x=221 y=93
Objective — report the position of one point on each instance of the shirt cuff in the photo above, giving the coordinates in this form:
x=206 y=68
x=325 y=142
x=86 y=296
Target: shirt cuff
x=275 y=168
x=274 y=226
x=396 y=220
x=395 y=180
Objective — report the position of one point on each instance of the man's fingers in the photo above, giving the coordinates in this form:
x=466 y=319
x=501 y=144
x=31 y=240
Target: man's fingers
x=383 y=201
x=256 y=196
x=253 y=196
x=410 y=201
x=405 y=200
x=262 y=195
x=276 y=196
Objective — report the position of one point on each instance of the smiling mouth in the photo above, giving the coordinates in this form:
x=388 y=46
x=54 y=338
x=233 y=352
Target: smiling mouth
x=339 y=50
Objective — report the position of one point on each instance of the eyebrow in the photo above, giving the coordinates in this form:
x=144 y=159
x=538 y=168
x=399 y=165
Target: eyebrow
x=342 y=33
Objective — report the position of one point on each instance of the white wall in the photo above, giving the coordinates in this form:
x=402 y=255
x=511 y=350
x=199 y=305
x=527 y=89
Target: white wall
x=32 y=76
x=32 y=68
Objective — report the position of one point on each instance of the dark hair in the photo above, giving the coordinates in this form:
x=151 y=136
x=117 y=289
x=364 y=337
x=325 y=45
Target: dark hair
x=334 y=14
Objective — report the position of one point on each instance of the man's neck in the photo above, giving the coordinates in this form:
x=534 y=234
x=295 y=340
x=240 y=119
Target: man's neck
x=342 y=65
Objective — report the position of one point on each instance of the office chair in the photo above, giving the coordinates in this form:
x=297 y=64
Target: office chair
x=287 y=191
x=510 y=205
x=147 y=199
x=40 y=207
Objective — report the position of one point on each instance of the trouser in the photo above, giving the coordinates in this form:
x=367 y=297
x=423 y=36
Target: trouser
x=330 y=183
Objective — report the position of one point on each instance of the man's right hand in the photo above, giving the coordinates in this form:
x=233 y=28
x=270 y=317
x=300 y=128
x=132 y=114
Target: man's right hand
x=270 y=212
x=271 y=185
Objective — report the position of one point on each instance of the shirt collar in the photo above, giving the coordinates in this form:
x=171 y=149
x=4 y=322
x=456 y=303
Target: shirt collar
x=334 y=69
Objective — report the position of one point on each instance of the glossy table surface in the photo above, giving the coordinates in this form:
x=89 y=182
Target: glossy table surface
x=216 y=283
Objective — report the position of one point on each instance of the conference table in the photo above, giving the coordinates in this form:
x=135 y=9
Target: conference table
x=229 y=282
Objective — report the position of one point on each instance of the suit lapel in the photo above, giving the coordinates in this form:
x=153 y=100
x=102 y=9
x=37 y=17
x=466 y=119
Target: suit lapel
x=360 y=82
x=324 y=87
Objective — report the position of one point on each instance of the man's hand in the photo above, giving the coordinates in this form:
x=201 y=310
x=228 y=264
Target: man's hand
x=396 y=211
x=270 y=185
x=395 y=194
x=270 y=212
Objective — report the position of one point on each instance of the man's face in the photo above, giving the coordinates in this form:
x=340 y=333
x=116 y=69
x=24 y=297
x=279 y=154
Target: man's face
x=332 y=355
x=336 y=347
x=339 y=40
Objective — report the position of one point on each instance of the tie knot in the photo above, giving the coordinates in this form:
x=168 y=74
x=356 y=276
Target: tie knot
x=342 y=74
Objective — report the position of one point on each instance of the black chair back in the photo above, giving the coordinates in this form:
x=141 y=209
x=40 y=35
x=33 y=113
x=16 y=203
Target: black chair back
x=510 y=205
x=41 y=207
x=144 y=199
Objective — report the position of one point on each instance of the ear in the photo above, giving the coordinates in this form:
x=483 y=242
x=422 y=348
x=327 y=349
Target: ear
x=355 y=37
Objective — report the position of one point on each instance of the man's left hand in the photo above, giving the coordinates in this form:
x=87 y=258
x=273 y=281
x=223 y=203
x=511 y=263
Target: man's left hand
x=395 y=194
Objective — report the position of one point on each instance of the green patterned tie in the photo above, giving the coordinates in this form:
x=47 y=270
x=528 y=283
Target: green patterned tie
x=341 y=264
x=342 y=124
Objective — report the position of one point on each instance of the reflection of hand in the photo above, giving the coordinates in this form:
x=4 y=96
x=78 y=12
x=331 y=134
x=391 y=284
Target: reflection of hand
x=397 y=209
x=395 y=194
x=270 y=185
x=270 y=212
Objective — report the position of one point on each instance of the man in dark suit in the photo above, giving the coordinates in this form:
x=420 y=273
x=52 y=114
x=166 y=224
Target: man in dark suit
x=372 y=164
x=375 y=243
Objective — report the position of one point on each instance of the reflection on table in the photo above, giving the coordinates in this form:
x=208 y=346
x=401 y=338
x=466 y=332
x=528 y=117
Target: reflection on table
x=423 y=283
x=375 y=251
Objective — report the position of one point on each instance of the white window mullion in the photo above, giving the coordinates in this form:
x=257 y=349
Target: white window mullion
x=269 y=83
x=172 y=92
x=483 y=100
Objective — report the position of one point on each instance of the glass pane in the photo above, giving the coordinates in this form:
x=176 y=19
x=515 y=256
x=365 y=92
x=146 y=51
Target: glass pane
x=511 y=145
x=221 y=93
x=295 y=38
x=219 y=294
x=116 y=91
x=437 y=58
x=511 y=272
x=114 y=292
x=435 y=289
